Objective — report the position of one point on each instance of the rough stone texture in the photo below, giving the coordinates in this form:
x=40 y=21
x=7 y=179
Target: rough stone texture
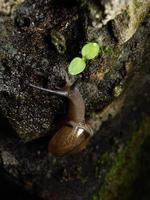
x=100 y=12
x=122 y=18
x=125 y=25
x=37 y=41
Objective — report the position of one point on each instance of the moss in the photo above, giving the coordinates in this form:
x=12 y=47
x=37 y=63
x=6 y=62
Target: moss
x=107 y=51
x=58 y=40
x=118 y=89
x=125 y=167
x=103 y=162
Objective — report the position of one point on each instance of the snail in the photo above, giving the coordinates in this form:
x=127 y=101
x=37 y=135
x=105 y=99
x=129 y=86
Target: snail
x=74 y=134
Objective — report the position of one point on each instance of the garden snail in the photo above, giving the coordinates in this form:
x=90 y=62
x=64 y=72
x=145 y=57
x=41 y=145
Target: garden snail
x=75 y=133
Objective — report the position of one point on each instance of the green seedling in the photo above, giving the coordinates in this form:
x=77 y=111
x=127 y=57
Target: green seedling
x=89 y=51
x=76 y=66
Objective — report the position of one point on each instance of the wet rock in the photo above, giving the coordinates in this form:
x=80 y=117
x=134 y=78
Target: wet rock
x=115 y=87
x=33 y=39
x=37 y=44
x=126 y=24
x=29 y=56
x=122 y=18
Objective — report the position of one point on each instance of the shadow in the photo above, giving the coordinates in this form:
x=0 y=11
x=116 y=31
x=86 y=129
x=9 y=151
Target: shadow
x=9 y=189
x=141 y=186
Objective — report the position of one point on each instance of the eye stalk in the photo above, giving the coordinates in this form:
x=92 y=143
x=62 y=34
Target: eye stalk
x=62 y=93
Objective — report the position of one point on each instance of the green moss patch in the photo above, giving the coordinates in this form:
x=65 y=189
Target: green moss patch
x=125 y=167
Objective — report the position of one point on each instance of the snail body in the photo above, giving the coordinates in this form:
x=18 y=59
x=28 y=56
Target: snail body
x=75 y=133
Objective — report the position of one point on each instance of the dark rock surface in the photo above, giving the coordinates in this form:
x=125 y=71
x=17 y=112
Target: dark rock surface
x=37 y=41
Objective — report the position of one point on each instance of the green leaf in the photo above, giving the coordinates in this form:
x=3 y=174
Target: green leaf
x=76 y=66
x=90 y=50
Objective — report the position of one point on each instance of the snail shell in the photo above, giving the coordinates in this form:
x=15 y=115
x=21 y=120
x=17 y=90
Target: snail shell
x=71 y=138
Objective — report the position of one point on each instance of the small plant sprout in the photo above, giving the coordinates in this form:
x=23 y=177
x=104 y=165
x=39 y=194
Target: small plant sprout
x=76 y=66
x=89 y=51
